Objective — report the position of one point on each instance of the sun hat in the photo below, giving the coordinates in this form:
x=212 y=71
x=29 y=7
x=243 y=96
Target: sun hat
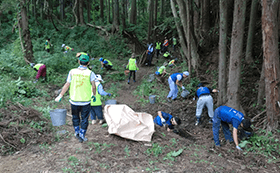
x=63 y=45
x=186 y=73
x=84 y=58
x=98 y=77
x=32 y=64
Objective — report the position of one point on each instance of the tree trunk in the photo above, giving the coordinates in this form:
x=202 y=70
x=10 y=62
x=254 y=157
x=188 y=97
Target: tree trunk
x=123 y=14
x=26 y=33
x=81 y=12
x=236 y=54
x=188 y=27
x=116 y=21
x=88 y=10
x=108 y=11
x=61 y=5
x=133 y=12
x=271 y=61
x=162 y=9
x=261 y=89
x=205 y=16
x=251 y=32
x=156 y=7
x=223 y=52
x=150 y=26
x=182 y=12
x=101 y=11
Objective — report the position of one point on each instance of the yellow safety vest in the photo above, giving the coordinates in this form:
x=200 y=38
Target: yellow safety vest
x=161 y=69
x=97 y=96
x=80 y=86
x=37 y=66
x=132 y=64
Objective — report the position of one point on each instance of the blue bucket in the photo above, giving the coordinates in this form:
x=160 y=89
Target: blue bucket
x=152 y=99
x=110 y=102
x=58 y=117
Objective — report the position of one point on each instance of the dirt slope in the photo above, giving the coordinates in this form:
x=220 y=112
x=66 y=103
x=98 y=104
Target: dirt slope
x=110 y=153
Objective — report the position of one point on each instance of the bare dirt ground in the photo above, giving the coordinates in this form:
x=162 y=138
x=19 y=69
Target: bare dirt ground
x=48 y=152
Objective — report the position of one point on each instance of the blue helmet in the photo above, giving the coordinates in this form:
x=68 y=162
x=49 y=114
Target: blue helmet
x=101 y=59
x=157 y=73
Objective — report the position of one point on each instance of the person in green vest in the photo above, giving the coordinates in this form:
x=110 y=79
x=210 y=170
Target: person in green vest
x=158 y=47
x=105 y=63
x=96 y=107
x=48 y=45
x=166 y=54
x=132 y=67
x=174 y=43
x=66 y=48
x=162 y=70
x=41 y=71
x=172 y=62
x=81 y=81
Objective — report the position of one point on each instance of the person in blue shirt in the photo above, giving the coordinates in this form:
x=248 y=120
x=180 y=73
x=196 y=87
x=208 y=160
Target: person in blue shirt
x=174 y=80
x=204 y=99
x=150 y=54
x=165 y=119
x=96 y=107
x=226 y=115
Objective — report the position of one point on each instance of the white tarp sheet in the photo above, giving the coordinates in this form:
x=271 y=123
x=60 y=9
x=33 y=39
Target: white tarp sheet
x=124 y=122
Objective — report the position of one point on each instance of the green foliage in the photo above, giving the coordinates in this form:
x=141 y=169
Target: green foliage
x=263 y=143
x=172 y=154
x=156 y=150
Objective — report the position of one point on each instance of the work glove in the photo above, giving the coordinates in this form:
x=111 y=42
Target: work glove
x=162 y=120
x=194 y=99
x=137 y=68
x=93 y=98
x=109 y=94
x=101 y=68
x=237 y=147
x=58 y=98
x=35 y=81
x=183 y=87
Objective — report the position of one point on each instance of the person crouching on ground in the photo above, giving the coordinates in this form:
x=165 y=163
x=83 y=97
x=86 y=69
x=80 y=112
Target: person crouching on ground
x=163 y=119
x=162 y=70
x=105 y=63
x=41 y=71
x=82 y=90
x=172 y=62
x=66 y=48
x=175 y=80
x=132 y=67
x=204 y=99
x=226 y=115
x=96 y=107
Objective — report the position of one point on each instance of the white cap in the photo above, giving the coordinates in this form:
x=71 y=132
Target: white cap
x=63 y=45
x=98 y=77
x=186 y=73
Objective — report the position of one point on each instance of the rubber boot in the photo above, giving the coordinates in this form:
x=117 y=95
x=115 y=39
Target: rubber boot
x=82 y=135
x=77 y=131
x=197 y=121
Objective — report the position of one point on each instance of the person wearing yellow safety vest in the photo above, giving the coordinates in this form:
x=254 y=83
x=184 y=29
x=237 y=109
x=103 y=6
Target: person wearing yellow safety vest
x=174 y=43
x=41 y=71
x=132 y=67
x=48 y=45
x=158 y=47
x=172 y=62
x=66 y=48
x=81 y=81
x=105 y=63
x=96 y=107
x=162 y=70
x=166 y=54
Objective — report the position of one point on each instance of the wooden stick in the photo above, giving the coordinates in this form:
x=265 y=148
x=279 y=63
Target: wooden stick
x=258 y=115
x=7 y=142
